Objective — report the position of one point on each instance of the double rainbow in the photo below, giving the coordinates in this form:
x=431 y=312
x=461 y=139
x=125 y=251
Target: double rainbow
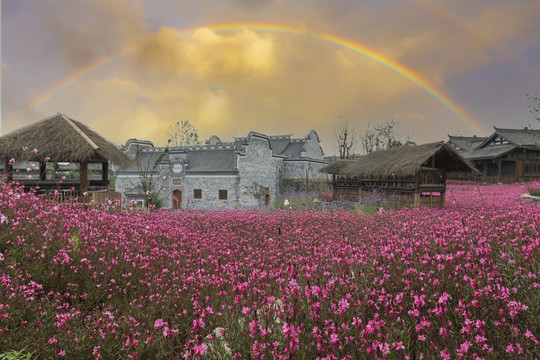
x=356 y=47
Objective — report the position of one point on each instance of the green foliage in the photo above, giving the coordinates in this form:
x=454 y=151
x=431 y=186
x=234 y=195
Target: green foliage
x=17 y=355
x=382 y=136
x=183 y=133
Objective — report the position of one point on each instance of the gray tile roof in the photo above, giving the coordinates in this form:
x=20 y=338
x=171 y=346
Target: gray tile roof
x=279 y=143
x=211 y=161
x=489 y=152
x=520 y=137
x=294 y=149
x=466 y=143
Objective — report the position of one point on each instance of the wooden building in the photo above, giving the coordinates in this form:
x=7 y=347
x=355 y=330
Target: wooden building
x=507 y=156
x=418 y=173
x=59 y=141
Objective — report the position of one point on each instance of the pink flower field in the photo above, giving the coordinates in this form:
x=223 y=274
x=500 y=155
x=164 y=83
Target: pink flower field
x=455 y=283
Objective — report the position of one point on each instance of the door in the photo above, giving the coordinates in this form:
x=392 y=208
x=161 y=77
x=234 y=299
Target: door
x=177 y=199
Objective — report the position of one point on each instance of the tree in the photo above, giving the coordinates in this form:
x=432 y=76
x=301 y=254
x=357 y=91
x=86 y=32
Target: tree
x=345 y=137
x=534 y=105
x=150 y=173
x=380 y=137
x=183 y=133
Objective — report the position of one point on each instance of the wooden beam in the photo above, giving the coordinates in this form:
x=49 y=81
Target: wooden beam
x=80 y=132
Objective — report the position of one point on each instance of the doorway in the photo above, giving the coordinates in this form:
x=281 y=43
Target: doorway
x=267 y=201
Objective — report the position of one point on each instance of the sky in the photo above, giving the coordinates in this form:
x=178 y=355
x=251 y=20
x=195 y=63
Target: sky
x=132 y=68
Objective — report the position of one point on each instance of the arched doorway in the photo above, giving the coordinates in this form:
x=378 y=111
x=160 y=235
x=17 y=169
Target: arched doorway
x=177 y=199
x=267 y=200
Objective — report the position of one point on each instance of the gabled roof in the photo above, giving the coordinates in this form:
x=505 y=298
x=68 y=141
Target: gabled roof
x=402 y=161
x=61 y=139
x=517 y=137
x=466 y=143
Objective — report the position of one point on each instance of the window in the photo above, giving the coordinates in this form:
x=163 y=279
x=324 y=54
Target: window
x=222 y=194
x=531 y=169
x=197 y=193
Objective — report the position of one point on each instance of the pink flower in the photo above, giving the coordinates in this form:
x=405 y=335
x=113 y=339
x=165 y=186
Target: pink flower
x=159 y=323
x=201 y=349
x=445 y=355
x=334 y=338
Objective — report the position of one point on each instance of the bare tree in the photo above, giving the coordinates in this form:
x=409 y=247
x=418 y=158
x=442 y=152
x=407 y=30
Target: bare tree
x=345 y=137
x=183 y=133
x=380 y=137
x=150 y=172
x=534 y=105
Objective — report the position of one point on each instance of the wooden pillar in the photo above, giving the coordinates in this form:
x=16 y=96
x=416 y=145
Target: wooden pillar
x=416 y=202
x=83 y=175
x=334 y=195
x=499 y=166
x=8 y=171
x=105 y=173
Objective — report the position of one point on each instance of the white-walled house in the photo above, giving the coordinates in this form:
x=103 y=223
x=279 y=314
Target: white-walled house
x=247 y=172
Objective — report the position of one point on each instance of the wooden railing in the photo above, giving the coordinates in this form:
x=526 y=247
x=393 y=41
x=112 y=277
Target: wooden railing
x=427 y=180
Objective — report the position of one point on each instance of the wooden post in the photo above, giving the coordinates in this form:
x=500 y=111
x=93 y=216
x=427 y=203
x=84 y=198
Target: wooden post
x=83 y=174
x=417 y=191
x=42 y=170
x=105 y=173
x=499 y=175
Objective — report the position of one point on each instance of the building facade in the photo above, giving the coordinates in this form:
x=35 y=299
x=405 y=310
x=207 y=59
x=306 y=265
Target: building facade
x=507 y=156
x=247 y=172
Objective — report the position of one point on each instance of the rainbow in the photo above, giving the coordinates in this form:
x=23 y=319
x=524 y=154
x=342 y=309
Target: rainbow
x=356 y=47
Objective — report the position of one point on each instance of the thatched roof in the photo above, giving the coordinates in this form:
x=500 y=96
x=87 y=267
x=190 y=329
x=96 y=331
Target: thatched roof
x=402 y=161
x=62 y=140
x=336 y=167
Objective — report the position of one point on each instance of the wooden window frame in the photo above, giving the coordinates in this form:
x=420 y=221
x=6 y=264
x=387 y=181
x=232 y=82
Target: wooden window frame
x=197 y=194
x=223 y=194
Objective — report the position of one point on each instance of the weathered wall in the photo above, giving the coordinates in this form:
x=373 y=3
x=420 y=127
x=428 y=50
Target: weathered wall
x=302 y=169
x=257 y=168
x=210 y=186
x=312 y=147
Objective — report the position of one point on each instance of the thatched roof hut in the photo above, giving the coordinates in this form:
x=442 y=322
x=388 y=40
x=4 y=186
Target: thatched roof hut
x=416 y=171
x=403 y=161
x=62 y=140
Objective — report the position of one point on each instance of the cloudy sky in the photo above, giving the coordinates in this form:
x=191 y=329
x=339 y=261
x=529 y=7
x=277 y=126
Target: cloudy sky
x=131 y=68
